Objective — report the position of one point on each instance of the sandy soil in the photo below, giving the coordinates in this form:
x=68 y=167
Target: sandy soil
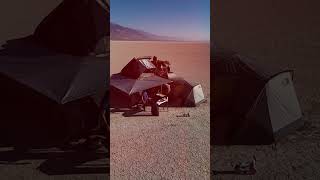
x=164 y=147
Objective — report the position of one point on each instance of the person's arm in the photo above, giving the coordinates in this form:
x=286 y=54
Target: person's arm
x=105 y=119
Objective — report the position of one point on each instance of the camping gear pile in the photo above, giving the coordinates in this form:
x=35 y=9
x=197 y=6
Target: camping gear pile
x=253 y=103
x=142 y=74
x=53 y=80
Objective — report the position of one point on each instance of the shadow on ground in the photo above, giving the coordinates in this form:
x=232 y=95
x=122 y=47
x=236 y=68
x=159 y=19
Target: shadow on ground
x=130 y=112
x=225 y=172
x=59 y=162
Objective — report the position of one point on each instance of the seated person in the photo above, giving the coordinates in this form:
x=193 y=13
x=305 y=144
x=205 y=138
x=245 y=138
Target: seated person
x=162 y=72
x=166 y=89
x=145 y=99
x=135 y=100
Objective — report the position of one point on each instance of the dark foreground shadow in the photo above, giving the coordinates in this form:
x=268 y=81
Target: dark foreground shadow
x=60 y=162
x=229 y=173
x=223 y=172
x=130 y=112
x=135 y=113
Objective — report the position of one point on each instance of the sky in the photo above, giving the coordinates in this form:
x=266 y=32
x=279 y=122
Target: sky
x=187 y=19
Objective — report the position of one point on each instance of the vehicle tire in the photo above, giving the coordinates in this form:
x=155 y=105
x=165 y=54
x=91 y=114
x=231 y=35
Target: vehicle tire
x=155 y=109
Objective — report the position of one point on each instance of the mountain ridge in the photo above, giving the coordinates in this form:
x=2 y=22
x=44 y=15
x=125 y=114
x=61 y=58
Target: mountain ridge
x=122 y=33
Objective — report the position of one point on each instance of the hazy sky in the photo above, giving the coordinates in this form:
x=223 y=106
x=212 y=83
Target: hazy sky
x=189 y=19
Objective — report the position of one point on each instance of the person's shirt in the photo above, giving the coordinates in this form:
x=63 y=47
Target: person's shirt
x=167 y=89
x=145 y=97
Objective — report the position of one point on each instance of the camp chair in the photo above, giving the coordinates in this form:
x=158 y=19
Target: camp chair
x=163 y=100
x=154 y=103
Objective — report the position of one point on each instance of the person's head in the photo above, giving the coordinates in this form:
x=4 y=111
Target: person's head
x=154 y=58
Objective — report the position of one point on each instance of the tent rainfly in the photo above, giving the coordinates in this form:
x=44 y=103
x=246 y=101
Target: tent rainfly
x=252 y=103
x=185 y=93
x=196 y=96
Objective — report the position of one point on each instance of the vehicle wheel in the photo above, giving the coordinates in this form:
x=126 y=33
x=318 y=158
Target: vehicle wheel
x=155 y=109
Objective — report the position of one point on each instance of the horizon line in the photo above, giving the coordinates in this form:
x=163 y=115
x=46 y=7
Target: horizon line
x=156 y=34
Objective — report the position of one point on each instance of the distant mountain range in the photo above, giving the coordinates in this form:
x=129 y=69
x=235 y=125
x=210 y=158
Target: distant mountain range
x=121 y=33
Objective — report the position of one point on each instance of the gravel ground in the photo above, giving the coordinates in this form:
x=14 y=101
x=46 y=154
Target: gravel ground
x=165 y=147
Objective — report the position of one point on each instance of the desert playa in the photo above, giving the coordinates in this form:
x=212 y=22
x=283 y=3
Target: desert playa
x=167 y=146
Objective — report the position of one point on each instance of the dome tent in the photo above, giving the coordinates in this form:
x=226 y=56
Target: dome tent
x=252 y=103
x=195 y=96
x=185 y=93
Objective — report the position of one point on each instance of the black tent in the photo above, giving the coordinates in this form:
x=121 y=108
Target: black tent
x=137 y=66
x=75 y=27
x=48 y=80
x=184 y=93
x=252 y=102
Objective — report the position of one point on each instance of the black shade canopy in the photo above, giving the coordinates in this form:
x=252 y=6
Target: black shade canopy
x=131 y=86
x=62 y=78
